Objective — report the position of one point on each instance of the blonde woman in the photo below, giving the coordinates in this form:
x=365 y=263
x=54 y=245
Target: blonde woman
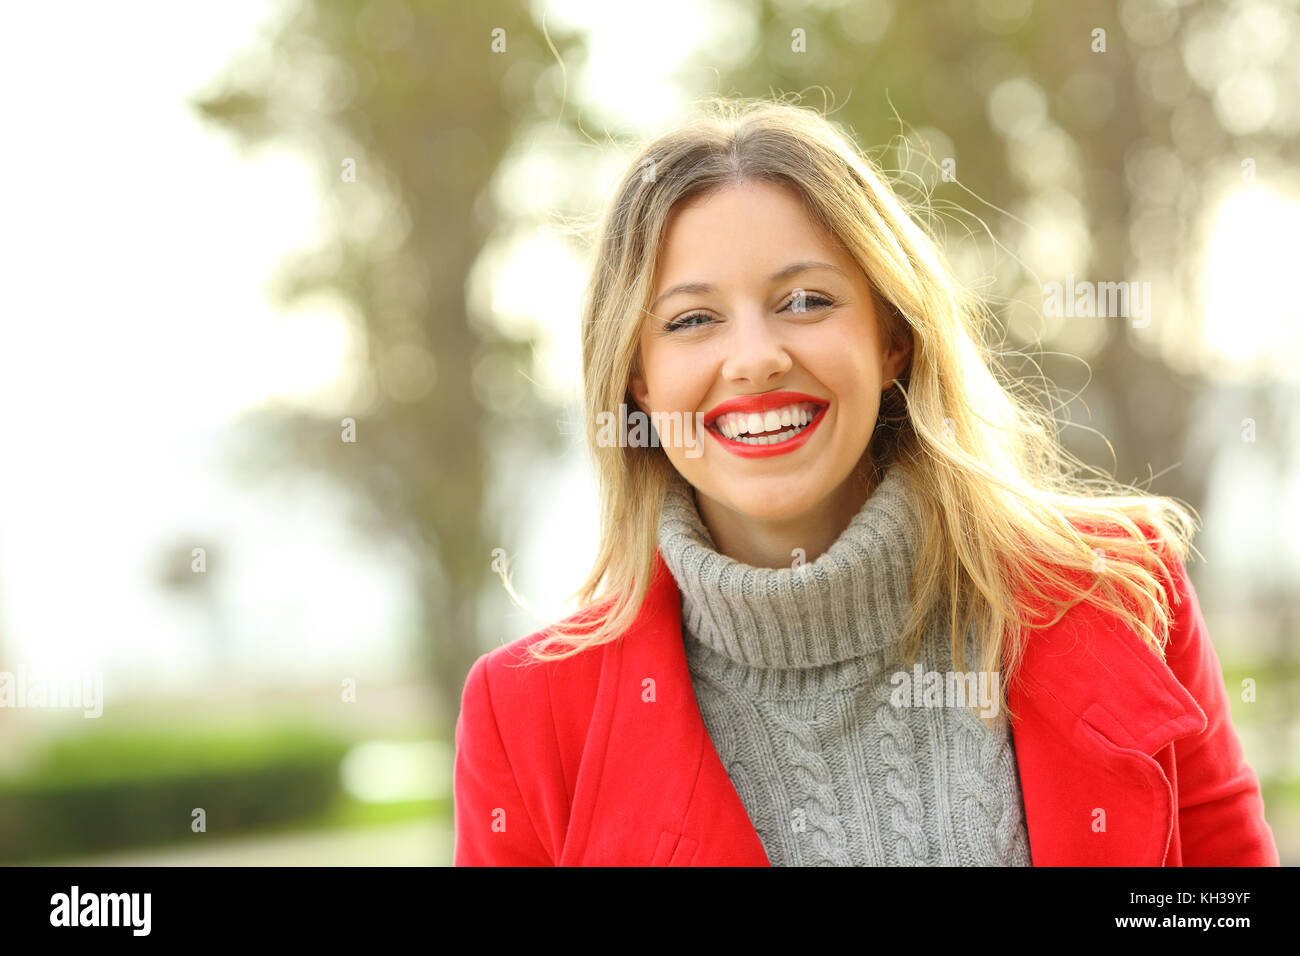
x=851 y=605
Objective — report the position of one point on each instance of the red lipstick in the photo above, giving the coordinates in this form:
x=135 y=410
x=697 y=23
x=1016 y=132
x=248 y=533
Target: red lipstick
x=751 y=404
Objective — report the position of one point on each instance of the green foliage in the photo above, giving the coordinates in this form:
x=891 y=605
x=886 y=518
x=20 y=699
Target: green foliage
x=105 y=791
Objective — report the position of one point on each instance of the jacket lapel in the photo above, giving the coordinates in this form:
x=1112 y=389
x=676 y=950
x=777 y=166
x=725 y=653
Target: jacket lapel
x=1094 y=707
x=658 y=793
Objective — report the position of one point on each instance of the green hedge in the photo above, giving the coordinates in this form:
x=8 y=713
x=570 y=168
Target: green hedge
x=106 y=791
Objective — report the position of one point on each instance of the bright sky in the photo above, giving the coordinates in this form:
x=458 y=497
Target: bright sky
x=1252 y=321
x=136 y=243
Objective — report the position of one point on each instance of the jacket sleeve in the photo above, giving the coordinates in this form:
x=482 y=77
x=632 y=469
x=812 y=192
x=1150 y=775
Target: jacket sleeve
x=493 y=826
x=1220 y=809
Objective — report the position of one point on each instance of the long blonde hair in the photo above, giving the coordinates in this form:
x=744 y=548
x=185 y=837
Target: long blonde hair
x=1009 y=531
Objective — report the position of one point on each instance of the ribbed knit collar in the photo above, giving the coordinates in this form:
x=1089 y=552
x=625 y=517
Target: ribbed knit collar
x=851 y=601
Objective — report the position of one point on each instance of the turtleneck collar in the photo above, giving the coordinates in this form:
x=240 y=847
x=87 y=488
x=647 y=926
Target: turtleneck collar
x=850 y=602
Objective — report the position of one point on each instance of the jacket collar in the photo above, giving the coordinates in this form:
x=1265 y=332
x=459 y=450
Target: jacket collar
x=1087 y=667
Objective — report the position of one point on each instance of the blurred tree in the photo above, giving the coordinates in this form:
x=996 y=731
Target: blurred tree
x=1090 y=141
x=407 y=109
x=186 y=576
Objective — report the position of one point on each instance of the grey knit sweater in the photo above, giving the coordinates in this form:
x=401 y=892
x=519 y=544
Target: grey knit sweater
x=794 y=670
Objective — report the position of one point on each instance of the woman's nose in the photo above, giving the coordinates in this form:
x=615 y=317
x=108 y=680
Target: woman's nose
x=754 y=351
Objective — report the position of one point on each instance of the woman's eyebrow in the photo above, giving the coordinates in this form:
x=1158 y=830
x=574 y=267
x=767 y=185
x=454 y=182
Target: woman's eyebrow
x=793 y=268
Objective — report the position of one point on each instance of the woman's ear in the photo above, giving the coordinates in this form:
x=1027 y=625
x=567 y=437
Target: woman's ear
x=639 y=392
x=897 y=356
x=898 y=351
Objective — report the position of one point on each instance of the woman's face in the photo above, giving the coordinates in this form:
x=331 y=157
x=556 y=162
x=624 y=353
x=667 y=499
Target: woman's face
x=744 y=332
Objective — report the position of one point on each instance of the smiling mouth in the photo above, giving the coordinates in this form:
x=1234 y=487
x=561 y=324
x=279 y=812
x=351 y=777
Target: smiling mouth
x=771 y=428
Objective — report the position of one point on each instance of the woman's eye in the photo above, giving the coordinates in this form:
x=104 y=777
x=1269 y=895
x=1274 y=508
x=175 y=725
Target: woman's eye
x=809 y=302
x=684 y=321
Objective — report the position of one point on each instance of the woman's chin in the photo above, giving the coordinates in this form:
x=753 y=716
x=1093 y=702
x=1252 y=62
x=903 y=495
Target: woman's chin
x=768 y=504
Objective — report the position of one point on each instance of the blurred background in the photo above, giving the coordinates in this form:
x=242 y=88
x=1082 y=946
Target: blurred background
x=290 y=353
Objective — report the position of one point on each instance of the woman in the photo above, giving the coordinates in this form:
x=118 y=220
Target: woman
x=842 y=536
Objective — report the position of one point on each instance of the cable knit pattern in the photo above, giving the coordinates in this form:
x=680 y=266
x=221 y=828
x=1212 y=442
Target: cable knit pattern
x=813 y=778
x=902 y=782
x=792 y=671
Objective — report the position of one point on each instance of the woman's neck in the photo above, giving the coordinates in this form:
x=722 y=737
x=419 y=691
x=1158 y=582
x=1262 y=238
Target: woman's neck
x=782 y=617
x=773 y=544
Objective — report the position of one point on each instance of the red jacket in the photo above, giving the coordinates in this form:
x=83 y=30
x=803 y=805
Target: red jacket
x=577 y=763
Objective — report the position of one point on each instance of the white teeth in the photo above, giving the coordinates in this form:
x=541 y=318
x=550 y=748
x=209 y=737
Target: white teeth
x=768 y=439
x=737 y=424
